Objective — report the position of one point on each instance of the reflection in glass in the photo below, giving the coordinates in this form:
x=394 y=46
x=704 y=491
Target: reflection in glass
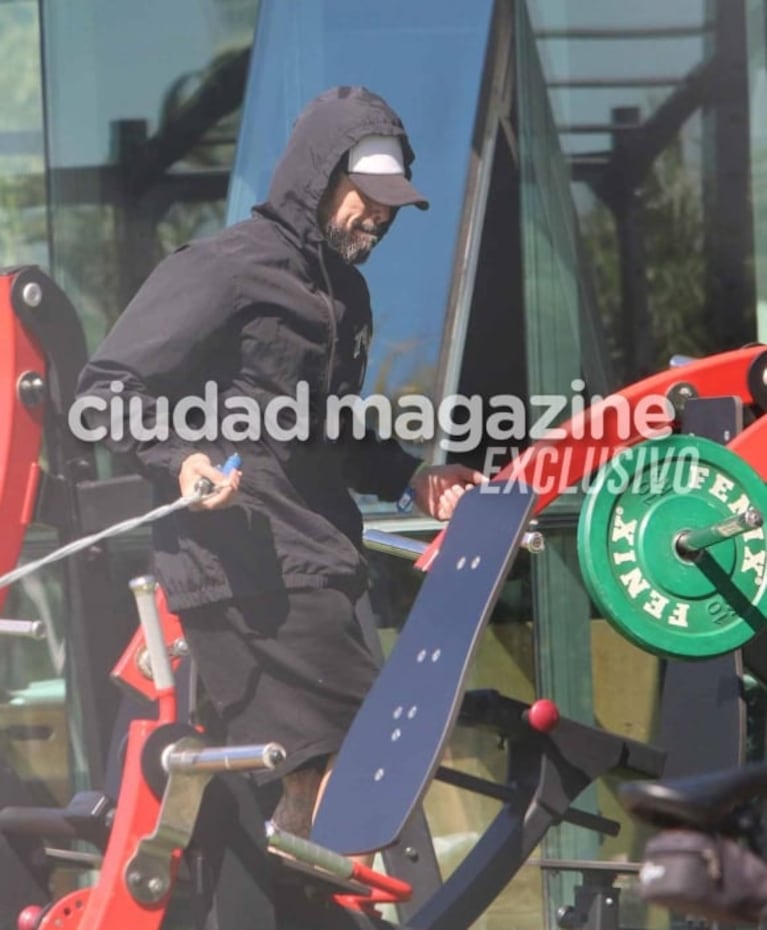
x=426 y=60
x=140 y=129
x=659 y=164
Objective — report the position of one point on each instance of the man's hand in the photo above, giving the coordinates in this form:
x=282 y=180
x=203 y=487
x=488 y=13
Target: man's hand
x=198 y=466
x=438 y=488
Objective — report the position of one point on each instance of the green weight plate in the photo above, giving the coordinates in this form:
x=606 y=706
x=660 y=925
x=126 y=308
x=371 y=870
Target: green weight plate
x=639 y=504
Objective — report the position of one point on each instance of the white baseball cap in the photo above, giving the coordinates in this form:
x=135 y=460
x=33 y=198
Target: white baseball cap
x=376 y=166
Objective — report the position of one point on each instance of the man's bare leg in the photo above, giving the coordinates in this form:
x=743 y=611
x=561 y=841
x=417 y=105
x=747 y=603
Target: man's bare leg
x=302 y=792
x=295 y=811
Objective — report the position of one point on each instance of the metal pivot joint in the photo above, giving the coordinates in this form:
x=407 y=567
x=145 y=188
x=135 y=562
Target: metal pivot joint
x=190 y=765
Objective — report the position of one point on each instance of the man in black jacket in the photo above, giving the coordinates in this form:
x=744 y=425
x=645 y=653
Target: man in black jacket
x=265 y=573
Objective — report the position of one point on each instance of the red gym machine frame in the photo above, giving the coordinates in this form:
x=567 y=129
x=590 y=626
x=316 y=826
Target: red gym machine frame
x=21 y=431
x=109 y=903
x=551 y=465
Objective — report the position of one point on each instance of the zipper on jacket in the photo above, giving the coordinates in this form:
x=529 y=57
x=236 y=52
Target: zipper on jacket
x=330 y=303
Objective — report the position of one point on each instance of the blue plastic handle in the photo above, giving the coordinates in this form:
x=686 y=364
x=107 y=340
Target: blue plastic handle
x=230 y=465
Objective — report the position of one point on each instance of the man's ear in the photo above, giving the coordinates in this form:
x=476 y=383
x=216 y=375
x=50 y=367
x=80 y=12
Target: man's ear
x=323 y=207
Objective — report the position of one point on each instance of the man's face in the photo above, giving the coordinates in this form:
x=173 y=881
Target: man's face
x=352 y=223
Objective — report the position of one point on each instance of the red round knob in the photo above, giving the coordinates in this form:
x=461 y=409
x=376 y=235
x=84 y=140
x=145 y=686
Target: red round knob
x=29 y=918
x=543 y=715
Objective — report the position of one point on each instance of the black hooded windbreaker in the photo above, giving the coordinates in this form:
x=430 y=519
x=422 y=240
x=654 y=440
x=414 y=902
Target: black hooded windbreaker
x=255 y=309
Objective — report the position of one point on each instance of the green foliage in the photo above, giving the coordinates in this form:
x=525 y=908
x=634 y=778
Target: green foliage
x=20 y=67
x=673 y=235
x=87 y=257
x=23 y=219
x=23 y=224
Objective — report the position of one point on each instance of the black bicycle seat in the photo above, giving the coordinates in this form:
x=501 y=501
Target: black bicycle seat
x=704 y=802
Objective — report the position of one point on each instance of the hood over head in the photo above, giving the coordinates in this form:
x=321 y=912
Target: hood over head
x=328 y=127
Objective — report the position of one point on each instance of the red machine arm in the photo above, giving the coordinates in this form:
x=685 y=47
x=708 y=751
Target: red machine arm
x=21 y=429
x=587 y=442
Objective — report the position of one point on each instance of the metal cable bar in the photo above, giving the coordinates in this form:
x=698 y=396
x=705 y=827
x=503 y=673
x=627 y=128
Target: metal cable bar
x=203 y=490
x=223 y=758
x=86 y=542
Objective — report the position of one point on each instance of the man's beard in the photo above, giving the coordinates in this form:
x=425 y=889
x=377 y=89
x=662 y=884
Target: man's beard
x=353 y=245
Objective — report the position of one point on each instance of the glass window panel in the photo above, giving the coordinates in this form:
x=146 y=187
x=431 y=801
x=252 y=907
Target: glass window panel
x=40 y=722
x=23 y=219
x=113 y=62
x=116 y=77
x=757 y=78
x=673 y=265
x=664 y=205
x=106 y=63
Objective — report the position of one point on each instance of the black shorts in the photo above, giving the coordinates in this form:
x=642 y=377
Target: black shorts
x=291 y=668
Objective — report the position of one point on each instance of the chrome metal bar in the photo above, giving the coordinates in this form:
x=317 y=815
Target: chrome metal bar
x=394 y=544
x=143 y=589
x=74 y=858
x=223 y=758
x=406 y=548
x=34 y=629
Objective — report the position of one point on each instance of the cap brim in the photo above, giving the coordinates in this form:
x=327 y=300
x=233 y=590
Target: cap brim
x=392 y=190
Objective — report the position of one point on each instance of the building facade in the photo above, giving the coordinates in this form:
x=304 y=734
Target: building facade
x=598 y=181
